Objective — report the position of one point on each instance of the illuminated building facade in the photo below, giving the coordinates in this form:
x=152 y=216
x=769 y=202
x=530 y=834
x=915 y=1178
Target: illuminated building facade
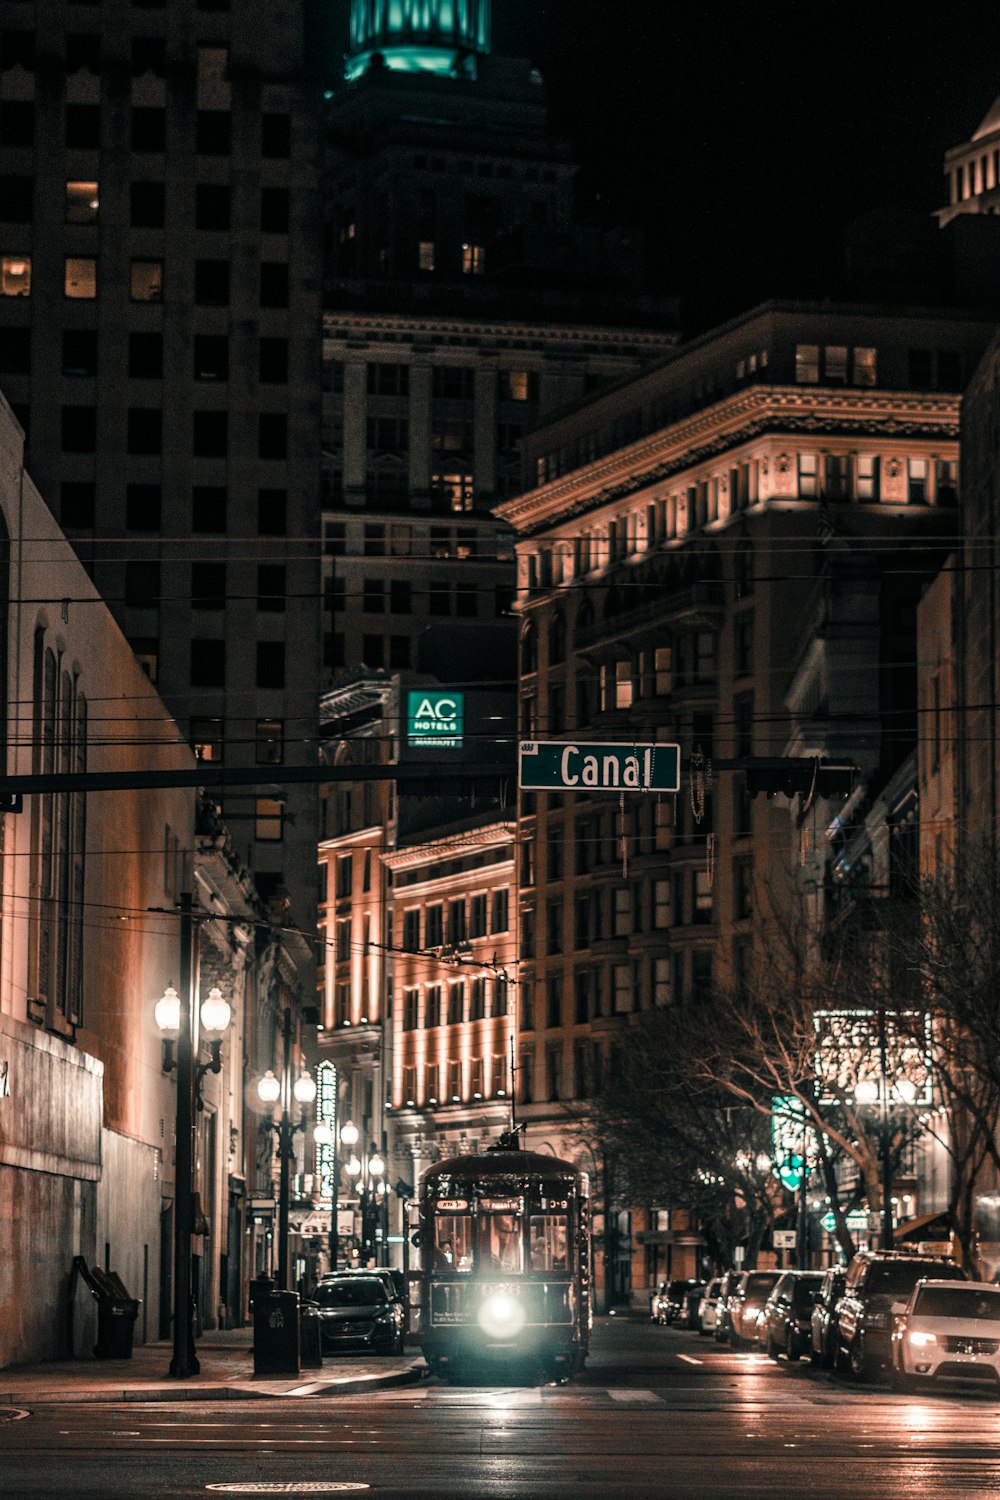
x=670 y=548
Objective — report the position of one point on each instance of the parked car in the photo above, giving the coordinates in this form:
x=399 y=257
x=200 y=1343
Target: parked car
x=823 y=1324
x=359 y=1312
x=878 y=1287
x=692 y=1301
x=392 y=1279
x=947 y=1332
x=708 y=1306
x=784 y=1324
x=746 y=1305
x=676 y=1296
x=727 y=1289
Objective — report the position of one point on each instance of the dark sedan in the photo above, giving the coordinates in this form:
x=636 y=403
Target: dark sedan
x=823 y=1339
x=357 y=1312
x=785 y=1324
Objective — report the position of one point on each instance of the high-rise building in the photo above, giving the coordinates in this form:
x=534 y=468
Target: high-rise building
x=159 y=341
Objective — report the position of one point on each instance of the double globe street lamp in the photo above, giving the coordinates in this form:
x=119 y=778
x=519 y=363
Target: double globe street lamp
x=271 y=1089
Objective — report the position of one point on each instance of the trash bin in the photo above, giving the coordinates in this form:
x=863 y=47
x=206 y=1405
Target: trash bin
x=310 y=1341
x=116 y=1311
x=275 y=1329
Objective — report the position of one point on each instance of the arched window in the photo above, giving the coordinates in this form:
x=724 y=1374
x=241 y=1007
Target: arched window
x=557 y=638
x=584 y=619
x=529 y=650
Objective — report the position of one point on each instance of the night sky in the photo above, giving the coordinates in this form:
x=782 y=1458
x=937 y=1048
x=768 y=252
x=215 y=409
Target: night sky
x=743 y=139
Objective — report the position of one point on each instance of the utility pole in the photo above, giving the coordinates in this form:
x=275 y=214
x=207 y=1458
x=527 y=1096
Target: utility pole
x=184 y=1362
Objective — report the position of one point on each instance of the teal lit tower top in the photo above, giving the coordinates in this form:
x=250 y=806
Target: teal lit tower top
x=419 y=36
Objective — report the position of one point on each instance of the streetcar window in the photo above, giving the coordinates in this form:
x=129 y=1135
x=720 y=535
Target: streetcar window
x=549 y=1234
x=452 y=1242
x=500 y=1243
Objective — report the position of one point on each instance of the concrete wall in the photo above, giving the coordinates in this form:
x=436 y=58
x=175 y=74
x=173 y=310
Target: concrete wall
x=129 y=1201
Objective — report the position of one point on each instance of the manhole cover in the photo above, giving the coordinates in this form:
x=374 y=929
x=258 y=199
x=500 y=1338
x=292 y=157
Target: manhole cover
x=288 y=1487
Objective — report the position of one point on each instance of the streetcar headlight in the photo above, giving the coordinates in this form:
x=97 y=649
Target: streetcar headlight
x=501 y=1316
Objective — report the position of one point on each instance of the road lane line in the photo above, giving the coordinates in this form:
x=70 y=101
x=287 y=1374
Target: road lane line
x=689 y=1359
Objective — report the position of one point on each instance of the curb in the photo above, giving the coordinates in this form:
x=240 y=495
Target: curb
x=347 y=1385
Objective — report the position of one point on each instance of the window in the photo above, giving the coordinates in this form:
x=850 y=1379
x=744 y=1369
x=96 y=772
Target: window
x=77 y=504
x=81 y=202
x=400 y=596
x=473 y=259
x=623 y=994
x=835 y=364
x=453 y=382
x=272 y=435
x=146 y=281
x=806 y=364
x=273 y=284
x=275 y=135
x=149 y=128
x=835 y=476
x=211 y=283
x=345 y=876
x=808 y=468
x=80 y=277
x=701 y=974
x=208 y=509
x=477 y=915
x=525 y=1077
x=868 y=474
x=518 y=385
x=206 y=736
x=917 y=480
x=553 y=1072
x=208 y=663
x=701 y=896
x=622 y=911
x=274 y=210
x=16 y=195
x=145 y=356
x=208 y=585
x=425 y=255
x=142 y=507
x=373 y=596
x=270 y=664
x=83 y=51
x=210 y=434
x=434 y=926
x=501 y=998
x=17 y=50
x=270 y=587
x=662 y=903
x=921 y=369
x=147 y=205
x=272 y=512
x=865 y=367
x=432 y=1007
x=477 y=999
x=456 y=921
x=149 y=55
x=79 y=350
x=342 y=947
x=267 y=820
x=623 y=684
x=946 y=481
x=213 y=131
x=411 y=1010
x=273 y=361
x=456 y=1003
x=269 y=738
x=411 y=930
x=211 y=356
x=211 y=206
x=499 y=918
x=742 y=889
x=79 y=429
x=17 y=123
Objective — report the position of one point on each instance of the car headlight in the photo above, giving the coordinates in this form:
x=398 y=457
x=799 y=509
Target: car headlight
x=921 y=1340
x=501 y=1316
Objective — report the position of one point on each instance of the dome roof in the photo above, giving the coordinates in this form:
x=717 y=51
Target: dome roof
x=418 y=36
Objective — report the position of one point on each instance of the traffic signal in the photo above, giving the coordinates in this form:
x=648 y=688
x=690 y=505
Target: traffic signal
x=798 y=776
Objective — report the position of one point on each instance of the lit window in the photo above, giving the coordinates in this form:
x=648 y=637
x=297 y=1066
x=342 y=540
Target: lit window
x=146 y=281
x=916 y=489
x=808 y=474
x=865 y=366
x=206 y=739
x=267 y=820
x=81 y=203
x=270 y=742
x=836 y=364
x=806 y=364
x=15 y=276
x=425 y=255
x=80 y=277
x=473 y=259
x=867 y=476
x=623 y=684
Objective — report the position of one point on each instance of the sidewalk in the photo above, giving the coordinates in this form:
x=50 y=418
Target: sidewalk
x=226 y=1359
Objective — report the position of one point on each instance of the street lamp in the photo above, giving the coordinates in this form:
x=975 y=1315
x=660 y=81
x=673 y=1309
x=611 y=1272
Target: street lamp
x=368 y=1173
x=271 y=1089
x=174 y=1014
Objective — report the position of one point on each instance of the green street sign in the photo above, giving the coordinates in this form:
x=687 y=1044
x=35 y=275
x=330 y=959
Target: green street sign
x=856 y=1219
x=435 y=719
x=566 y=766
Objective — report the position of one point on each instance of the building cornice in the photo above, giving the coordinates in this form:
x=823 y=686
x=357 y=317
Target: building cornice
x=490 y=837
x=376 y=326
x=716 y=429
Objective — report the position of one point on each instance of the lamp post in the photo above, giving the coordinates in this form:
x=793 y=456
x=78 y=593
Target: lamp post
x=270 y=1090
x=176 y=1019
x=368 y=1172
x=872 y=1091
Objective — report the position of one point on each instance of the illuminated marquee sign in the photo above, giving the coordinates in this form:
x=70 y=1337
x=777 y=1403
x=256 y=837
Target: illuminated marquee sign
x=435 y=719
x=326 y=1111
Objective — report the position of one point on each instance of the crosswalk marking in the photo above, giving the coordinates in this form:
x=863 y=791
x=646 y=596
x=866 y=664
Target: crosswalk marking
x=641 y=1398
x=689 y=1359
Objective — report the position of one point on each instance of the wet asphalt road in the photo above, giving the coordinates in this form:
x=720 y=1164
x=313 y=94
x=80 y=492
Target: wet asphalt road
x=657 y=1413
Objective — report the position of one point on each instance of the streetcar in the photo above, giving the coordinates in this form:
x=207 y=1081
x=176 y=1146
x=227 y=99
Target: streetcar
x=506 y=1274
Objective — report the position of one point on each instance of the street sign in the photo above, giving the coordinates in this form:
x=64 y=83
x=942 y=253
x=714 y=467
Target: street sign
x=784 y=1239
x=857 y=1219
x=565 y=766
x=435 y=719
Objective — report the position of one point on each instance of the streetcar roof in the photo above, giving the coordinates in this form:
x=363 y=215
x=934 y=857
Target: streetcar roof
x=500 y=1163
